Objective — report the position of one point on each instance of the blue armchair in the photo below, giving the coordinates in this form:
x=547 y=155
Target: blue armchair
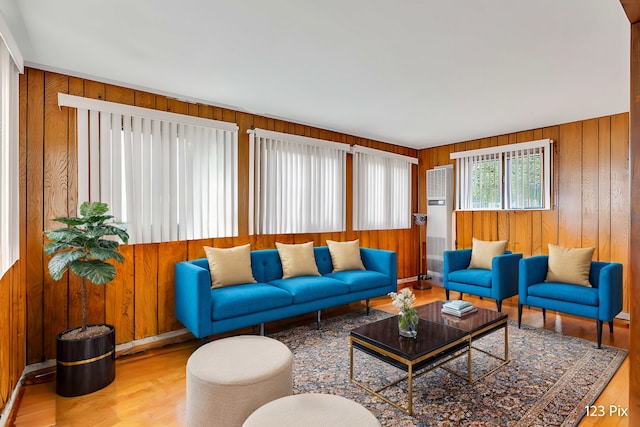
x=498 y=283
x=602 y=301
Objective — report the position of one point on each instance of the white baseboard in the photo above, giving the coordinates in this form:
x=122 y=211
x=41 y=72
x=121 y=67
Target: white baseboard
x=623 y=316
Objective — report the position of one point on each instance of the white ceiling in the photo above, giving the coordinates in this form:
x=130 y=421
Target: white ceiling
x=417 y=73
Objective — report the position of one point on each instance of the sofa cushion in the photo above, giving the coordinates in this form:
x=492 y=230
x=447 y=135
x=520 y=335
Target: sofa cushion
x=345 y=255
x=237 y=301
x=297 y=260
x=582 y=295
x=483 y=252
x=229 y=266
x=471 y=276
x=569 y=265
x=311 y=288
x=359 y=280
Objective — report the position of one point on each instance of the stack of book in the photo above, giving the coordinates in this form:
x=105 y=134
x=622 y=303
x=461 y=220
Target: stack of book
x=458 y=308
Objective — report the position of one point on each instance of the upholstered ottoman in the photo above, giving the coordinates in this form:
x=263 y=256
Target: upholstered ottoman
x=230 y=378
x=312 y=410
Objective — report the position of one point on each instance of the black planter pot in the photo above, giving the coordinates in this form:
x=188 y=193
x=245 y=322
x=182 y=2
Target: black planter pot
x=85 y=365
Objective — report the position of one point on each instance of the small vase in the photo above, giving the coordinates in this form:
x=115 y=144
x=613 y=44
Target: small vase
x=407 y=323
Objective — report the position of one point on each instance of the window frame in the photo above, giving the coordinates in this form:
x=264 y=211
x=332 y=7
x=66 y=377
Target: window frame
x=505 y=156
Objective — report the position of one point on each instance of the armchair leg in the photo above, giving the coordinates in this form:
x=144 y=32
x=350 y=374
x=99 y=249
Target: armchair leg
x=499 y=303
x=519 y=315
x=318 y=320
x=611 y=326
x=461 y=294
x=368 y=307
x=446 y=292
x=544 y=315
x=599 y=332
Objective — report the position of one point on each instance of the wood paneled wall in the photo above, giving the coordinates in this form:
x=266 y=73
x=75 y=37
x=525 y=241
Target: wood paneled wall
x=140 y=301
x=590 y=193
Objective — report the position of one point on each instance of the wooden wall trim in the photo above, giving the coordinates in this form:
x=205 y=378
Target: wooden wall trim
x=633 y=11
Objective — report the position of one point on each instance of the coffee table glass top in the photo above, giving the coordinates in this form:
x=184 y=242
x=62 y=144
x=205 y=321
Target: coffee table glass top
x=471 y=322
x=431 y=337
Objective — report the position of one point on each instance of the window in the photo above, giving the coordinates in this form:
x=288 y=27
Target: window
x=167 y=176
x=515 y=176
x=297 y=184
x=10 y=66
x=381 y=189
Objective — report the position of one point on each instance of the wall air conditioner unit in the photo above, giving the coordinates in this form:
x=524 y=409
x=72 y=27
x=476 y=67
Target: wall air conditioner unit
x=439 y=218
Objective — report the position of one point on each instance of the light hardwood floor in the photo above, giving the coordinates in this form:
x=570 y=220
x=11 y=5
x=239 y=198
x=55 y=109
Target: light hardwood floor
x=149 y=389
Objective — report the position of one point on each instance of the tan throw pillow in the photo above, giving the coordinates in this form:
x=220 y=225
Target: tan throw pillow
x=297 y=260
x=345 y=255
x=482 y=252
x=229 y=266
x=569 y=265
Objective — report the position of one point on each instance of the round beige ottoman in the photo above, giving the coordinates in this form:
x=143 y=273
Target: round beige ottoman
x=230 y=378
x=312 y=410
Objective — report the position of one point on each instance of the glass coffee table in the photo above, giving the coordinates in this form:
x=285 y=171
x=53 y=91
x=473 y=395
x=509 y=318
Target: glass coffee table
x=441 y=339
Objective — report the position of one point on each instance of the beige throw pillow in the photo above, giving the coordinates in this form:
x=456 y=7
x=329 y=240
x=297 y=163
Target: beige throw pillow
x=230 y=266
x=482 y=252
x=297 y=260
x=569 y=265
x=345 y=255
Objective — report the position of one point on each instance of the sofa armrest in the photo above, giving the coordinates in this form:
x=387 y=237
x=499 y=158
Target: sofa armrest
x=610 y=291
x=193 y=298
x=456 y=260
x=382 y=261
x=532 y=270
x=504 y=275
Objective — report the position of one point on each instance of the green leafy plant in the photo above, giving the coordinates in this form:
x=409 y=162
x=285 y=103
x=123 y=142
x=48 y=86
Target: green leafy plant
x=84 y=246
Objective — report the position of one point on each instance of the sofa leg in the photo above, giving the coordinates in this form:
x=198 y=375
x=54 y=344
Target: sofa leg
x=499 y=304
x=599 y=332
x=261 y=329
x=544 y=316
x=318 y=319
x=446 y=293
x=461 y=295
x=368 y=307
x=611 y=326
x=519 y=315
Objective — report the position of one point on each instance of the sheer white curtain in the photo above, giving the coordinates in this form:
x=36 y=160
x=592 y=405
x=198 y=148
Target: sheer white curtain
x=297 y=184
x=167 y=176
x=10 y=66
x=381 y=189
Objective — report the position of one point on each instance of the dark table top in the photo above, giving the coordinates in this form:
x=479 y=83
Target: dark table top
x=471 y=322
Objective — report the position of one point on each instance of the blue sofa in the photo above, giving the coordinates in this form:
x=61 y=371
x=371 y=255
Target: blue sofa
x=602 y=301
x=205 y=311
x=499 y=283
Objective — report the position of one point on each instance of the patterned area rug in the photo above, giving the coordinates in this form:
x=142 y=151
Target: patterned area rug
x=549 y=380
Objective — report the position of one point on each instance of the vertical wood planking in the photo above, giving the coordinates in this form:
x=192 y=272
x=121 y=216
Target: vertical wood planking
x=120 y=297
x=33 y=97
x=570 y=185
x=620 y=196
x=146 y=290
x=55 y=202
x=549 y=218
x=590 y=187
x=604 y=189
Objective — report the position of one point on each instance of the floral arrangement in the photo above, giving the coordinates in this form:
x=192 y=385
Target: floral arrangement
x=408 y=316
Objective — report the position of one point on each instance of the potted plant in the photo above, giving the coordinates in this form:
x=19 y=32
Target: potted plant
x=85 y=355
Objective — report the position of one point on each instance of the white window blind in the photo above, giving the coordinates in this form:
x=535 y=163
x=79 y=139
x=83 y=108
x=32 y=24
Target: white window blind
x=167 y=176
x=381 y=189
x=9 y=160
x=297 y=184
x=514 y=176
